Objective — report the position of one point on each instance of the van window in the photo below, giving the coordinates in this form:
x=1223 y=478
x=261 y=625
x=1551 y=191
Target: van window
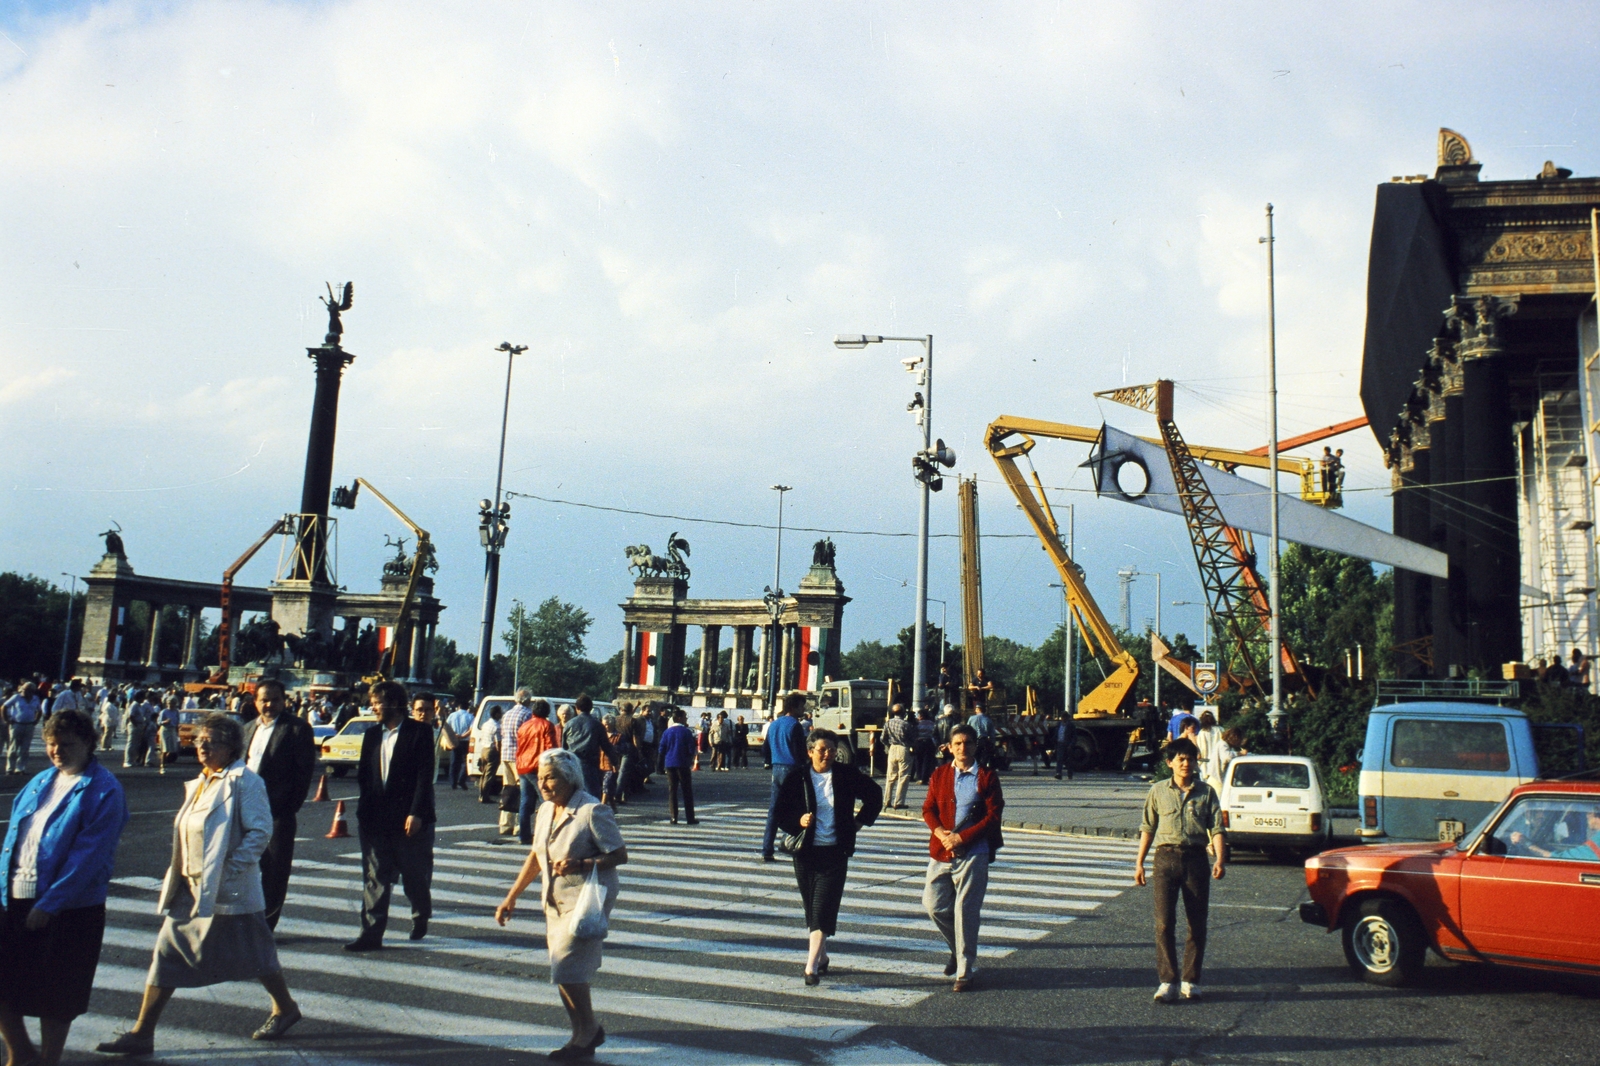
x=1271 y=775
x=1433 y=745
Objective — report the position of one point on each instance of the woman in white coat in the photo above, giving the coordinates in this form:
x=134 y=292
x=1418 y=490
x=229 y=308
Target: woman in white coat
x=216 y=927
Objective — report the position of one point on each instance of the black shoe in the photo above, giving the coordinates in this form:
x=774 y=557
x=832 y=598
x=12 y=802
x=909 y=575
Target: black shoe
x=769 y=858
x=692 y=821
x=950 y=967
x=822 y=968
x=599 y=1037
x=419 y=928
x=812 y=980
x=365 y=943
x=569 y=1053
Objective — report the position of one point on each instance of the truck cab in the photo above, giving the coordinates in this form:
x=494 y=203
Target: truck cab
x=1429 y=770
x=856 y=710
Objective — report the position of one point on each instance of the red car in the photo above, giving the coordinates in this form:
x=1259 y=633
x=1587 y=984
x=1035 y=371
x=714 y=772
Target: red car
x=1522 y=889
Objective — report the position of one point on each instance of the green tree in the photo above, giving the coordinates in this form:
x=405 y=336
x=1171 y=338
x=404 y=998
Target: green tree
x=871 y=659
x=33 y=615
x=549 y=659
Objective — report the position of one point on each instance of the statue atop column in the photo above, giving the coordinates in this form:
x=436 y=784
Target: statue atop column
x=822 y=553
x=336 y=304
x=113 y=539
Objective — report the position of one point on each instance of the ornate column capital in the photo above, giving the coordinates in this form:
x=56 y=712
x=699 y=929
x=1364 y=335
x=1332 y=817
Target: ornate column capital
x=1475 y=323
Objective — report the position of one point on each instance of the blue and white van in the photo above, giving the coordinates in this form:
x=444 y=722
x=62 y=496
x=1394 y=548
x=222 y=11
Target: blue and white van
x=1431 y=770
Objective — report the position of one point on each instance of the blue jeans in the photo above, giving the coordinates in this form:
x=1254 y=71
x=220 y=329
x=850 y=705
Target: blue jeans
x=458 y=765
x=780 y=774
x=593 y=779
x=529 y=785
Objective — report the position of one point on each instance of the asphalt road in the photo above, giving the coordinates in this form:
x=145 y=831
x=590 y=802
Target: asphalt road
x=703 y=964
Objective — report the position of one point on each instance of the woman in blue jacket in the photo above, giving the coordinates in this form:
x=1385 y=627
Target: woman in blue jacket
x=57 y=859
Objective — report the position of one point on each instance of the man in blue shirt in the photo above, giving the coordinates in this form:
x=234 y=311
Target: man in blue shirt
x=458 y=732
x=787 y=743
x=677 y=757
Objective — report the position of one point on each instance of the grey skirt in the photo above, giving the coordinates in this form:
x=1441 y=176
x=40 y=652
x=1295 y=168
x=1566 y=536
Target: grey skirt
x=194 y=952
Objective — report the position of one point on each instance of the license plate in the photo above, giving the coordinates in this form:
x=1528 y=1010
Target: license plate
x=1451 y=830
x=1269 y=822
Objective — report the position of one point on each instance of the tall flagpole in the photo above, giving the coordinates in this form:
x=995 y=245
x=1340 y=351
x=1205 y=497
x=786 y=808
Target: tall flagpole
x=1275 y=716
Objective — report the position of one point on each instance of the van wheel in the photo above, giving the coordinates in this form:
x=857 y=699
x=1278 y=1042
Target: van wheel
x=340 y=771
x=845 y=754
x=1384 y=943
x=1084 y=754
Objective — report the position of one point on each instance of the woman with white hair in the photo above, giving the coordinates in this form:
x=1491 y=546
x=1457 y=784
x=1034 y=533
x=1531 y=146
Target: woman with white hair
x=574 y=835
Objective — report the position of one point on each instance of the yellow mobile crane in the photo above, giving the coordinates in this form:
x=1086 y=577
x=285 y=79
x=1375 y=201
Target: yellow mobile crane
x=422 y=560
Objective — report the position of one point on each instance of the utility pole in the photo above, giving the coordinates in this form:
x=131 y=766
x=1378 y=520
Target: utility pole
x=1275 y=716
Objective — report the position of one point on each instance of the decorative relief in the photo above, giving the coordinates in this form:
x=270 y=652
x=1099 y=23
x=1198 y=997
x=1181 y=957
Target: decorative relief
x=1549 y=246
x=1454 y=151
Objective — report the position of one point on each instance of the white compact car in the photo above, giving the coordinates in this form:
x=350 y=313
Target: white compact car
x=1274 y=803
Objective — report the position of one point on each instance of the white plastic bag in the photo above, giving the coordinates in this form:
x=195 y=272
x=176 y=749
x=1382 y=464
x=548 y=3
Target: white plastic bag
x=589 y=915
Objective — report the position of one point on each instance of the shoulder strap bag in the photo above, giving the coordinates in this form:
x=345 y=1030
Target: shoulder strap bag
x=791 y=843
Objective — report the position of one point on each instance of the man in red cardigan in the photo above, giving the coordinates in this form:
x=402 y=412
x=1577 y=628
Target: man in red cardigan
x=962 y=809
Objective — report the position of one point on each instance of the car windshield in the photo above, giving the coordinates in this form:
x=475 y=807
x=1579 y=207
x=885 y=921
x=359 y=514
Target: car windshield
x=357 y=726
x=191 y=717
x=1271 y=775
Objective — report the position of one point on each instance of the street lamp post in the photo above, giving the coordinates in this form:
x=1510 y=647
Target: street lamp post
x=66 y=638
x=773 y=598
x=944 y=622
x=494 y=521
x=1205 y=620
x=1155 y=670
x=925 y=465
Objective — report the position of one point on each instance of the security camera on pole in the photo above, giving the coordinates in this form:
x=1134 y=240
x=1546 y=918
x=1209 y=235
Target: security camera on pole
x=925 y=466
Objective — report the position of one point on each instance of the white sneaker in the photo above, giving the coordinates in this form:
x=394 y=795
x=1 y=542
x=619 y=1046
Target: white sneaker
x=1189 y=991
x=1164 y=993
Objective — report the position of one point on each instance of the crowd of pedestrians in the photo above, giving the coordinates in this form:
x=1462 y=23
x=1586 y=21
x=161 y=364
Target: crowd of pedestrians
x=561 y=774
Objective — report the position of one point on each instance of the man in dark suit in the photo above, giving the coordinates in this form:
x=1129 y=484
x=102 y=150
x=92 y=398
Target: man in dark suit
x=283 y=751
x=395 y=816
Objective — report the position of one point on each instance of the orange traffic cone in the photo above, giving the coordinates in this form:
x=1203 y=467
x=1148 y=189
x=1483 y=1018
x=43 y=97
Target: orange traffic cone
x=322 y=791
x=340 y=829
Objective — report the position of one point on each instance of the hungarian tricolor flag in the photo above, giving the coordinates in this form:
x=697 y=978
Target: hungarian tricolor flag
x=648 y=654
x=812 y=654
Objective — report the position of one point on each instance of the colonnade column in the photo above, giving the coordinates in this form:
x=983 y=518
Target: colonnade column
x=1489 y=489
x=709 y=638
x=743 y=643
x=627 y=654
x=1449 y=599
x=152 y=658
x=763 y=670
x=191 y=640
x=418 y=639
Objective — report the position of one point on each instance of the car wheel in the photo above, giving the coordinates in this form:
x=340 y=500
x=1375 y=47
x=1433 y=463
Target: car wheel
x=340 y=771
x=1383 y=942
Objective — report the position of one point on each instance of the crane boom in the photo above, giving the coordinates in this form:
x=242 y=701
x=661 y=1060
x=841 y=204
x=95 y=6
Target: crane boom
x=225 y=630
x=343 y=497
x=1109 y=697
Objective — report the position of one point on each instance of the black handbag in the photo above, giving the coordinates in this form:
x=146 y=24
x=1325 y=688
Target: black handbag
x=791 y=843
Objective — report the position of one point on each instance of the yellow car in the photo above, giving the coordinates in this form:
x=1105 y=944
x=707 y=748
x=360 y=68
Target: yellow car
x=341 y=752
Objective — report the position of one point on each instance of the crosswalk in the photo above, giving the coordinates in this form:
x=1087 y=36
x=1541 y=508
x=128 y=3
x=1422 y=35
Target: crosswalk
x=702 y=963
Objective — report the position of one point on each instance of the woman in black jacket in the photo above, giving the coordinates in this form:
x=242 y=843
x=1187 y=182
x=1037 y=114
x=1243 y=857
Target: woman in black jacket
x=819 y=807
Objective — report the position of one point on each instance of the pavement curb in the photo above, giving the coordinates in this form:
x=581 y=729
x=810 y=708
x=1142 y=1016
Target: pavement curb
x=1096 y=832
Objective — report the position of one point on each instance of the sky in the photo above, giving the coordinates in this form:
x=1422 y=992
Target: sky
x=676 y=207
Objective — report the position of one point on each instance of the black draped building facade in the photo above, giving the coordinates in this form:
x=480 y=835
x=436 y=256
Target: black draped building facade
x=1476 y=379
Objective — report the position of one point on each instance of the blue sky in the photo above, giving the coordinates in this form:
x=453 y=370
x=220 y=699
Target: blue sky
x=676 y=207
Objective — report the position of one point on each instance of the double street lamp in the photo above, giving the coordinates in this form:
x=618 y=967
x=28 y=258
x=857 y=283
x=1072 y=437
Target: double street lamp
x=494 y=522
x=925 y=466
